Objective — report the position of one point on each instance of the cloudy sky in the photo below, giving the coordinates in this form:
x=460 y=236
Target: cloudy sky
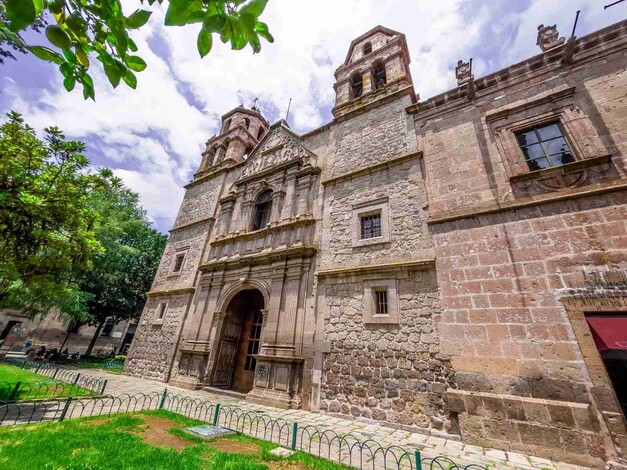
x=152 y=137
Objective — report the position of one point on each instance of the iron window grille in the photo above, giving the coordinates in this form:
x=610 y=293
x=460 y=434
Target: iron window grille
x=545 y=146
x=370 y=226
x=381 y=301
x=253 y=342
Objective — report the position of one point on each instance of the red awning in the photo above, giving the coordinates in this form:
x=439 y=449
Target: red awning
x=609 y=332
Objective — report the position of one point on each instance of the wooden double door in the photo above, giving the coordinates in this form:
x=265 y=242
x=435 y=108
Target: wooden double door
x=241 y=337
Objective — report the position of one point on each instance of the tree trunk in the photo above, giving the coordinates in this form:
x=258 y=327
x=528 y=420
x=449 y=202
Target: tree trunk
x=94 y=338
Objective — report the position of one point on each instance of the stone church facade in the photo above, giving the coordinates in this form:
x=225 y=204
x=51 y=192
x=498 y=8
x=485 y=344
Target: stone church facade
x=454 y=266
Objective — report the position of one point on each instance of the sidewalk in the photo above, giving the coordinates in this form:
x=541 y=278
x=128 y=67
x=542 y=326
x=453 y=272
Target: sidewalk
x=429 y=446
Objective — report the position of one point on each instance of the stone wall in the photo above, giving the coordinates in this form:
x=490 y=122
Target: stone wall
x=394 y=372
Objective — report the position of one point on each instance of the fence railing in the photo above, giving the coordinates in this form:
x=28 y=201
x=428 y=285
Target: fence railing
x=57 y=374
x=320 y=441
x=33 y=390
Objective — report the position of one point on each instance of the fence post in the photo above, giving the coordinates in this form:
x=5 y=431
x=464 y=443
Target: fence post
x=77 y=377
x=37 y=369
x=418 y=461
x=65 y=408
x=216 y=415
x=104 y=384
x=54 y=376
x=14 y=392
x=294 y=432
x=163 y=397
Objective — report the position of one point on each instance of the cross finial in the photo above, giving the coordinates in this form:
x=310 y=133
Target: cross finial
x=255 y=107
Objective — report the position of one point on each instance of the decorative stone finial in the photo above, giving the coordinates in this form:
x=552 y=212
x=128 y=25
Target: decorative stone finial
x=462 y=72
x=548 y=37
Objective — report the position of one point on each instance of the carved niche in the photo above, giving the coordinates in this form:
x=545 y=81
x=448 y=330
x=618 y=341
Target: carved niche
x=277 y=148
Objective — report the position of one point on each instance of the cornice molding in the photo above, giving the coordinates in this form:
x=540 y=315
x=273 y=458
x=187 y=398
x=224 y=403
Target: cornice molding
x=178 y=290
x=263 y=257
x=377 y=268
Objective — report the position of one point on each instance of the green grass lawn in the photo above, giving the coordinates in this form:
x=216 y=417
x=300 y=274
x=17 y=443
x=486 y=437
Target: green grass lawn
x=148 y=440
x=101 y=365
x=10 y=375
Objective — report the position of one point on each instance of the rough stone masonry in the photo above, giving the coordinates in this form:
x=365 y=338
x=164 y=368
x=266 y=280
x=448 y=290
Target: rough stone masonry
x=454 y=266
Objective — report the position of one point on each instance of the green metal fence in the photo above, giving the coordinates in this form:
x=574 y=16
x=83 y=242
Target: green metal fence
x=33 y=390
x=320 y=441
x=57 y=375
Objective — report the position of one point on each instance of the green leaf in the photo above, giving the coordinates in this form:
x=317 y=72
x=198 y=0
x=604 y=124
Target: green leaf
x=180 y=12
x=131 y=45
x=135 y=63
x=20 y=13
x=204 y=42
x=254 y=8
x=69 y=83
x=130 y=79
x=138 y=19
x=225 y=34
x=238 y=37
x=46 y=54
x=58 y=37
x=39 y=6
x=112 y=71
x=82 y=57
x=69 y=56
x=77 y=24
x=262 y=29
x=214 y=23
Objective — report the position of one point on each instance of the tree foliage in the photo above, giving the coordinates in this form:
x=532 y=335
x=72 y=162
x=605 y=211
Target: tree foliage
x=84 y=30
x=123 y=273
x=47 y=234
x=70 y=239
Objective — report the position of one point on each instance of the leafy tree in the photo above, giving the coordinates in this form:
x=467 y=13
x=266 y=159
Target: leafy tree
x=47 y=234
x=84 y=30
x=123 y=273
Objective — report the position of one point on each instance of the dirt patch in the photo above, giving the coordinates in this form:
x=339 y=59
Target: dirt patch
x=227 y=445
x=284 y=465
x=155 y=432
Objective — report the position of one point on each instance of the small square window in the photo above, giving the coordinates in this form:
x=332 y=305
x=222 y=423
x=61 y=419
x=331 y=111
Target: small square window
x=178 y=263
x=370 y=226
x=161 y=311
x=545 y=146
x=381 y=301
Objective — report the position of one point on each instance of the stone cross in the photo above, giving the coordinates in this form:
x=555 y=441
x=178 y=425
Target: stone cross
x=548 y=37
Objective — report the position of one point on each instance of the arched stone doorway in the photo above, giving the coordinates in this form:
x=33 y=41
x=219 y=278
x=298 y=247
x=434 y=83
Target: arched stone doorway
x=239 y=342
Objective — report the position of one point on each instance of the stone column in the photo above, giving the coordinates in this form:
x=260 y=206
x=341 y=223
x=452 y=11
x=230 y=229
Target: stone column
x=217 y=321
x=303 y=186
x=287 y=316
x=288 y=205
x=277 y=203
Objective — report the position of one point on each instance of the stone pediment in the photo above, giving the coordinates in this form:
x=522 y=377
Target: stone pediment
x=279 y=146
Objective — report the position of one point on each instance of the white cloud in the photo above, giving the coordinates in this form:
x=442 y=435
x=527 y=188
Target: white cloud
x=154 y=135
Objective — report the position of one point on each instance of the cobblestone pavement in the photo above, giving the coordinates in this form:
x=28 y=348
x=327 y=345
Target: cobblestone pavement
x=429 y=446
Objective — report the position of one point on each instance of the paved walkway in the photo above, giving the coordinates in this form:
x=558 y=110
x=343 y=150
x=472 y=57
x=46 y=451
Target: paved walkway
x=429 y=446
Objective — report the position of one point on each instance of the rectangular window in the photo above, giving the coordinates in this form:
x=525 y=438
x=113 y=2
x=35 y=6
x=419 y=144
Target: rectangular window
x=161 y=311
x=253 y=342
x=381 y=301
x=545 y=146
x=370 y=226
x=178 y=263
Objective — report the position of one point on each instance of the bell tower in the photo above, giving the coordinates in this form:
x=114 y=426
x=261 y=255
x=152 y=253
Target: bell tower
x=241 y=130
x=377 y=65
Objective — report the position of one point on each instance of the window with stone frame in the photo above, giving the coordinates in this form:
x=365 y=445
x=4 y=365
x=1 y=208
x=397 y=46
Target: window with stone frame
x=381 y=301
x=107 y=328
x=179 y=259
x=545 y=146
x=367 y=48
x=263 y=208
x=548 y=130
x=370 y=225
x=161 y=310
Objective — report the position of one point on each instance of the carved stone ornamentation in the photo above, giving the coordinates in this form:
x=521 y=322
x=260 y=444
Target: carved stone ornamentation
x=548 y=37
x=279 y=148
x=462 y=73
